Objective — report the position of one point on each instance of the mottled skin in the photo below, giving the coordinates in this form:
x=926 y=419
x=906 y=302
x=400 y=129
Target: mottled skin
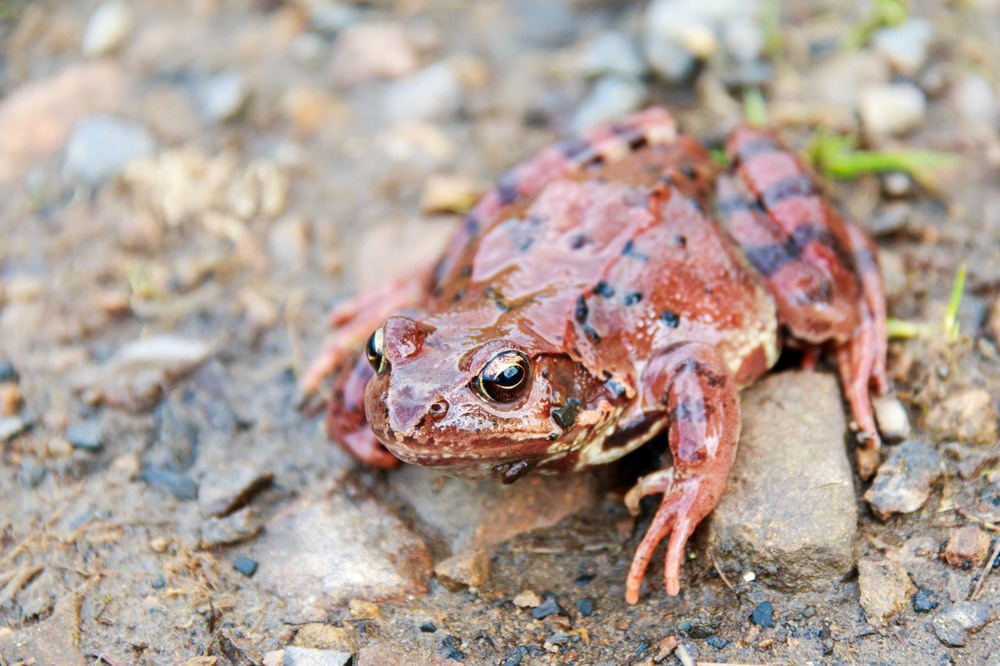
x=637 y=286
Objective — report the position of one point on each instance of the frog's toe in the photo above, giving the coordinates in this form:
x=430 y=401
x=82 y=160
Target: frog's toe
x=675 y=518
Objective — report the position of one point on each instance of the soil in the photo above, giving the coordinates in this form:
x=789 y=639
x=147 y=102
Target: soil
x=244 y=226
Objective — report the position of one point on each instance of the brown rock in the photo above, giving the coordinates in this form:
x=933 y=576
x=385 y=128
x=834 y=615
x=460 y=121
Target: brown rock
x=469 y=568
x=905 y=480
x=789 y=514
x=322 y=552
x=885 y=589
x=967 y=417
x=327 y=637
x=967 y=547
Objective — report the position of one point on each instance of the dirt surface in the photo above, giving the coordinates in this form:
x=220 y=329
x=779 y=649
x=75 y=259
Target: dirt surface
x=186 y=189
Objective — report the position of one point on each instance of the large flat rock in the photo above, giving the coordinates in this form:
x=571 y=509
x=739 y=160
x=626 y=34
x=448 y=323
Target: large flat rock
x=324 y=551
x=789 y=515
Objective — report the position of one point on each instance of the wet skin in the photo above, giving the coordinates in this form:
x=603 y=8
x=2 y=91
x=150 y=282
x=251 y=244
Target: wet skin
x=615 y=287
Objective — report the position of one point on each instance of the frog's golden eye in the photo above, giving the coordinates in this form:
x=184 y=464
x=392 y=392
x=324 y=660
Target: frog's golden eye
x=375 y=351
x=505 y=377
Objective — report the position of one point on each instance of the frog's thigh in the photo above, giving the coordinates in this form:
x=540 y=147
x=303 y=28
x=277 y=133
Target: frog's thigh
x=693 y=385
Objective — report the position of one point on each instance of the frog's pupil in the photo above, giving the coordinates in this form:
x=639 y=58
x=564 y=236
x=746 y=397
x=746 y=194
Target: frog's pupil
x=511 y=376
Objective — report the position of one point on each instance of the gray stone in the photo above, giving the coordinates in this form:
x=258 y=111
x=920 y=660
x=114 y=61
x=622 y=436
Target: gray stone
x=613 y=53
x=324 y=551
x=892 y=109
x=885 y=589
x=789 y=515
x=954 y=624
x=101 y=147
x=968 y=416
x=299 y=656
x=85 y=435
x=107 y=28
x=611 y=97
x=743 y=38
x=905 y=45
x=976 y=100
x=432 y=93
x=221 y=492
x=331 y=17
x=905 y=480
x=222 y=96
x=234 y=528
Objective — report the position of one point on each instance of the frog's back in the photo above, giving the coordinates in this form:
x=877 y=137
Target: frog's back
x=614 y=261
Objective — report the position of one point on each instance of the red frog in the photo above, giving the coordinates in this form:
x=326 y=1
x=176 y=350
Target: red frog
x=614 y=287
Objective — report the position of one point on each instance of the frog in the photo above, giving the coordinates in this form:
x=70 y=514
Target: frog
x=619 y=286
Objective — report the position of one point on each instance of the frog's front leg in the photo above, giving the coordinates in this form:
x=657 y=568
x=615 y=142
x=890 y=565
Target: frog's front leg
x=692 y=387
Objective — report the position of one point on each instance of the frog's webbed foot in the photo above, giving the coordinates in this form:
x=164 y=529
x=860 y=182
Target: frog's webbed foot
x=692 y=383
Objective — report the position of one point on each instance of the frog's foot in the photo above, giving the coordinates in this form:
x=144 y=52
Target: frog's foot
x=691 y=383
x=681 y=509
x=346 y=422
x=355 y=319
x=363 y=445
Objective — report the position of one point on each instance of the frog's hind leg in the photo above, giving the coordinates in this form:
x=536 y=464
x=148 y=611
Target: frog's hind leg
x=820 y=268
x=692 y=383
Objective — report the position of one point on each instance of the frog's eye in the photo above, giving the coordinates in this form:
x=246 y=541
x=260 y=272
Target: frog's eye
x=375 y=351
x=504 y=378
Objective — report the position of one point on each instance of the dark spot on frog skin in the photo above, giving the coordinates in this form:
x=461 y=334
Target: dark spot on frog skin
x=671 y=319
x=472 y=225
x=510 y=472
x=632 y=298
x=507 y=188
x=578 y=241
x=627 y=433
x=616 y=388
x=787 y=188
x=754 y=147
x=565 y=415
x=680 y=240
x=497 y=298
x=465 y=272
x=458 y=296
x=692 y=410
x=689 y=171
x=604 y=289
x=630 y=251
x=582 y=310
x=575 y=150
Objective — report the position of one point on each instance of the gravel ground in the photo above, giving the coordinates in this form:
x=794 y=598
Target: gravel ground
x=186 y=188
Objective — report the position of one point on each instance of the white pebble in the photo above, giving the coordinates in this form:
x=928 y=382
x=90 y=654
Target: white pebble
x=905 y=45
x=101 y=147
x=613 y=53
x=611 y=97
x=107 y=28
x=432 y=93
x=975 y=100
x=892 y=109
x=743 y=38
x=893 y=421
x=222 y=96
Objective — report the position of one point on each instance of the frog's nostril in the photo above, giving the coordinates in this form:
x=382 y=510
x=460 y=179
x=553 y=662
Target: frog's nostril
x=438 y=409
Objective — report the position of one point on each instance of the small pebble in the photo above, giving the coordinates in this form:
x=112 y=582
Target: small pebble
x=331 y=18
x=85 y=435
x=611 y=96
x=432 y=93
x=468 y=568
x=585 y=606
x=428 y=628
x=892 y=109
x=8 y=373
x=763 y=615
x=967 y=547
x=718 y=642
x=245 y=565
x=924 y=600
x=743 y=38
x=905 y=480
x=300 y=656
x=954 y=624
x=905 y=45
x=11 y=399
x=884 y=588
x=548 y=607
x=527 y=599
x=968 y=416
x=11 y=427
x=101 y=147
x=222 y=492
x=613 y=53
x=107 y=28
x=449 y=194
x=237 y=527
x=450 y=648
x=976 y=100
x=897 y=185
x=893 y=421
x=222 y=96
x=371 y=51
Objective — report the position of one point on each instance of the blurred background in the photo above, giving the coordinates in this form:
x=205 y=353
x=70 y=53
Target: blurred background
x=186 y=188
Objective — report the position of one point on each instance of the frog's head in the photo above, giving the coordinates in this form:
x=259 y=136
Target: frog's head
x=443 y=397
